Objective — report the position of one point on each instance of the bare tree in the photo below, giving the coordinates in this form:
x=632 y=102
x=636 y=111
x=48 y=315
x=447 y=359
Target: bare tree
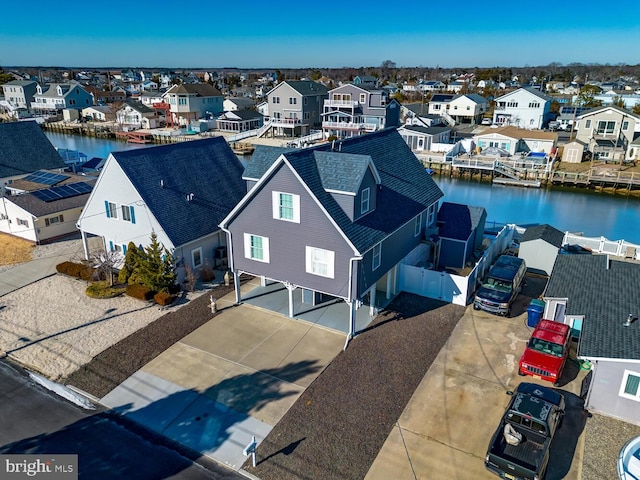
x=105 y=262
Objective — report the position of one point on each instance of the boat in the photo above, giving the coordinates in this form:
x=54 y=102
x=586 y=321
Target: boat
x=629 y=460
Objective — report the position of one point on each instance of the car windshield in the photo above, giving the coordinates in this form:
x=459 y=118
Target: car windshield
x=498 y=284
x=546 y=347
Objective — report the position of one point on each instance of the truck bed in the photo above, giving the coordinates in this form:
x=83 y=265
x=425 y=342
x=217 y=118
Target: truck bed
x=528 y=454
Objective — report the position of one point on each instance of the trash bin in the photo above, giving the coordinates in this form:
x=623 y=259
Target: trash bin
x=534 y=312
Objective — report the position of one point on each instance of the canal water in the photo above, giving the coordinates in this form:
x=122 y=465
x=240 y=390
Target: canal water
x=568 y=209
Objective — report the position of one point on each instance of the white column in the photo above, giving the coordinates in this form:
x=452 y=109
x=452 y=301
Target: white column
x=352 y=323
x=85 y=244
x=236 y=285
x=372 y=301
x=389 y=275
x=290 y=289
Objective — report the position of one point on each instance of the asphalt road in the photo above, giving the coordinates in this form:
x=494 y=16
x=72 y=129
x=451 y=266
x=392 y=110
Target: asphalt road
x=36 y=421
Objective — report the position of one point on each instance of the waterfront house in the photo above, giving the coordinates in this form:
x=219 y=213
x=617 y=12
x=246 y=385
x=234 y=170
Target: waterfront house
x=24 y=148
x=55 y=97
x=356 y=109
x=180 y=191
x=295 y=108
x=47 y=213
x=366 y=81
x=20 y=93
x=416 y=114
x=460 y=233
x=133 y=115
x=190 y=102
x=600 y=299
x=517 y=140
x=523 y=108
x=239 y=121
x=232 y=104
x=422 y=138
x=333 y=222
x=539 y=247
x=607 y=132
x=439 y=103
x=99 y=113
x=104 y=97
x=149 y=98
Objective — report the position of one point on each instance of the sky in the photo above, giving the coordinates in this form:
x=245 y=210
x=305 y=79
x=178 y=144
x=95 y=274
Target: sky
x=298 y=34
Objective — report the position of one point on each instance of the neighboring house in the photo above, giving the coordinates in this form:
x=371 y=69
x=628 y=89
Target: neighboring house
x=416 y=114
x=524 y=108
x=596 y=295
x=460 y=232
x=24 y=148
x=539 y=247
x=41 y=179
x=469 y=108
x=55 y=97
x=190 y=102
x=421 y=138
x=607 y=132
x=333 y=221
x=456 y=86
x=103 y=97
x=148 y=85
x=134 y=115
x=517 y=140
x=239 y=121
x=356 y=109
x=180 y=191
x=366 y=81
x=295 y=107
x=20 y=93
x=232 y=104
x=44 y=214
x=432 y=86
x=149 y=98
x=99 y=113
x=439 y=103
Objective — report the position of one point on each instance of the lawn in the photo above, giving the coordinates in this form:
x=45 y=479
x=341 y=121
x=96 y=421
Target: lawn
x=14 y=250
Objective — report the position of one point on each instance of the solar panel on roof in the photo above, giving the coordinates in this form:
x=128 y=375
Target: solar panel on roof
x=62 y=191
x=46 y=178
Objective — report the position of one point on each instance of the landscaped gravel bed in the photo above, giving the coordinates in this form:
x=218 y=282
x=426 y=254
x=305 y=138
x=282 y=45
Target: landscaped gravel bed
x=338 y=425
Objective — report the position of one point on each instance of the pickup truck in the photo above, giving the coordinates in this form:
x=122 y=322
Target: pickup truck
x=546 y=352
x=519 y=448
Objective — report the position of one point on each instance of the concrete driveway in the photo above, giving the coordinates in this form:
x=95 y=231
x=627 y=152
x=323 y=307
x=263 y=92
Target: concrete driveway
x=232 y=378
x=445 y=429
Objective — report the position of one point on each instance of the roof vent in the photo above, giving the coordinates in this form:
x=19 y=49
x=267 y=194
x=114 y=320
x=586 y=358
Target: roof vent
x=161 y=183
x=189 y=197
x=628 y=321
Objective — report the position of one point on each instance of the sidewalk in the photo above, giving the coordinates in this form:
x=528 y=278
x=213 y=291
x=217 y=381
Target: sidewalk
x=229 y=380
x=29 y=272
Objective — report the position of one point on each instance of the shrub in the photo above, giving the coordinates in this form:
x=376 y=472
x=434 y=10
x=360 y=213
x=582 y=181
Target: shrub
x=140 y=292
x=76 y=270
x=63 y=267
x=163 y=298
x=102 y=289
x=206 y=272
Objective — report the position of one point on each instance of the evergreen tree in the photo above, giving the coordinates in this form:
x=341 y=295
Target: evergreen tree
x=155 y=269
x=131 y=260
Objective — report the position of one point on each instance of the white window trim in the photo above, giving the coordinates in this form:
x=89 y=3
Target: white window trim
x=275 y=197
x=417 y=228
x=309 y=251
x=376 y=255
x=365 y=201
x=265 y=248
x=193 y=257
x=622 y=393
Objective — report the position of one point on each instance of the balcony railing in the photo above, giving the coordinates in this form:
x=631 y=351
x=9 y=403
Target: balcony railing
x=340 y=103
x=286 y=122
x=367 y=127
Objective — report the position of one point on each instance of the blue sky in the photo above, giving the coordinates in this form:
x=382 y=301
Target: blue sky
x=294 y=34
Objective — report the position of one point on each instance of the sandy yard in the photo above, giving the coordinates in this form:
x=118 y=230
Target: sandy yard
x=54 y=328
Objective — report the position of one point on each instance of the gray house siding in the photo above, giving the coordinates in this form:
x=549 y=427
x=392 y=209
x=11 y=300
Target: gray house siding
x=370 y=183
x=392 y=118
x=287 y=258
x=605 y=396
x=347 y=203
x=452 y=252
x=394 y=249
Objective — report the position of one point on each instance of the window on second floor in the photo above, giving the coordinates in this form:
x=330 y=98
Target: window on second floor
x=286 y=206
x=417 y=228
x=293 y=100
x=319 y=262
x=376 y=260
x=256 y=247
x=111 y=209
x=625 y=125
x=363 y=97
x=605 y=127
x=534 y=104
x=630 y=387
x=587 y=124
x=276 y=99
x=364 y=201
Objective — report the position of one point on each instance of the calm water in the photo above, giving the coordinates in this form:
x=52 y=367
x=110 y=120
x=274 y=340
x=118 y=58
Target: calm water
x=593 y=214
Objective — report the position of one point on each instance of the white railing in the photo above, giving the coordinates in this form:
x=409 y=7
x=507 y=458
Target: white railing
x=303 y=141
x=286 y=121
x=340 y=103
x=367 y=127
x=243 y=135
x=263 y=129
x=619 y=248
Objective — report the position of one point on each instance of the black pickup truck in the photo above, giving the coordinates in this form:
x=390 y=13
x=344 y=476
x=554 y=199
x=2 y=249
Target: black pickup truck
x=519 y=449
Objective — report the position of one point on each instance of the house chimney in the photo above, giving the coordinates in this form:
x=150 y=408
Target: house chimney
x=627 y=322
x=161 y=183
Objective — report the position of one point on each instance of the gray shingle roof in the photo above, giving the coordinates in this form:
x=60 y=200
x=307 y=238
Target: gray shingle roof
x=199 y=89
x=543 y=232
x=341 y=172
x=40 y=208
x=206 y=168
x=427 y=130
x=605 y=296
x=307 y=87
x=24 y=148
x=261 y=159
x=458 y=220
x=407 y=189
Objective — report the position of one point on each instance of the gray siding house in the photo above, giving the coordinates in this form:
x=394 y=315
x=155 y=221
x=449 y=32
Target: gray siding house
x=332 y=221
x=539 y=247
x=20 y=93
x=598 y=295
x=355 y=109
x=461 y=230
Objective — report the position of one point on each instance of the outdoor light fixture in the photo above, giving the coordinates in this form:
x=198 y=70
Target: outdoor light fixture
x=628 y=321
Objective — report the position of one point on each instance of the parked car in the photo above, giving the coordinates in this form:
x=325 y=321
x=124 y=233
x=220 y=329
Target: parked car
x=520 y=446
x=486 y=121
x=502 y=285
x=546 y=352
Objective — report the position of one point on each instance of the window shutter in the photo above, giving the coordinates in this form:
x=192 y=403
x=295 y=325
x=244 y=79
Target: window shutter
x=110 y=246
x=46 y=222
x=106 y=207
x=133 y=215
x=61 y=218
x=124 y=248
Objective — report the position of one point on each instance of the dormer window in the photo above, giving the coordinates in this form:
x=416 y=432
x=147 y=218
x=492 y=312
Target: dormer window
x=364 y=200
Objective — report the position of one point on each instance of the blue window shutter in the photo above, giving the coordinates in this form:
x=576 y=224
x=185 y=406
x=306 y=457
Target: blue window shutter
x=124 y=249
x=106 y=207
x=110 y=246
x=133 y=215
